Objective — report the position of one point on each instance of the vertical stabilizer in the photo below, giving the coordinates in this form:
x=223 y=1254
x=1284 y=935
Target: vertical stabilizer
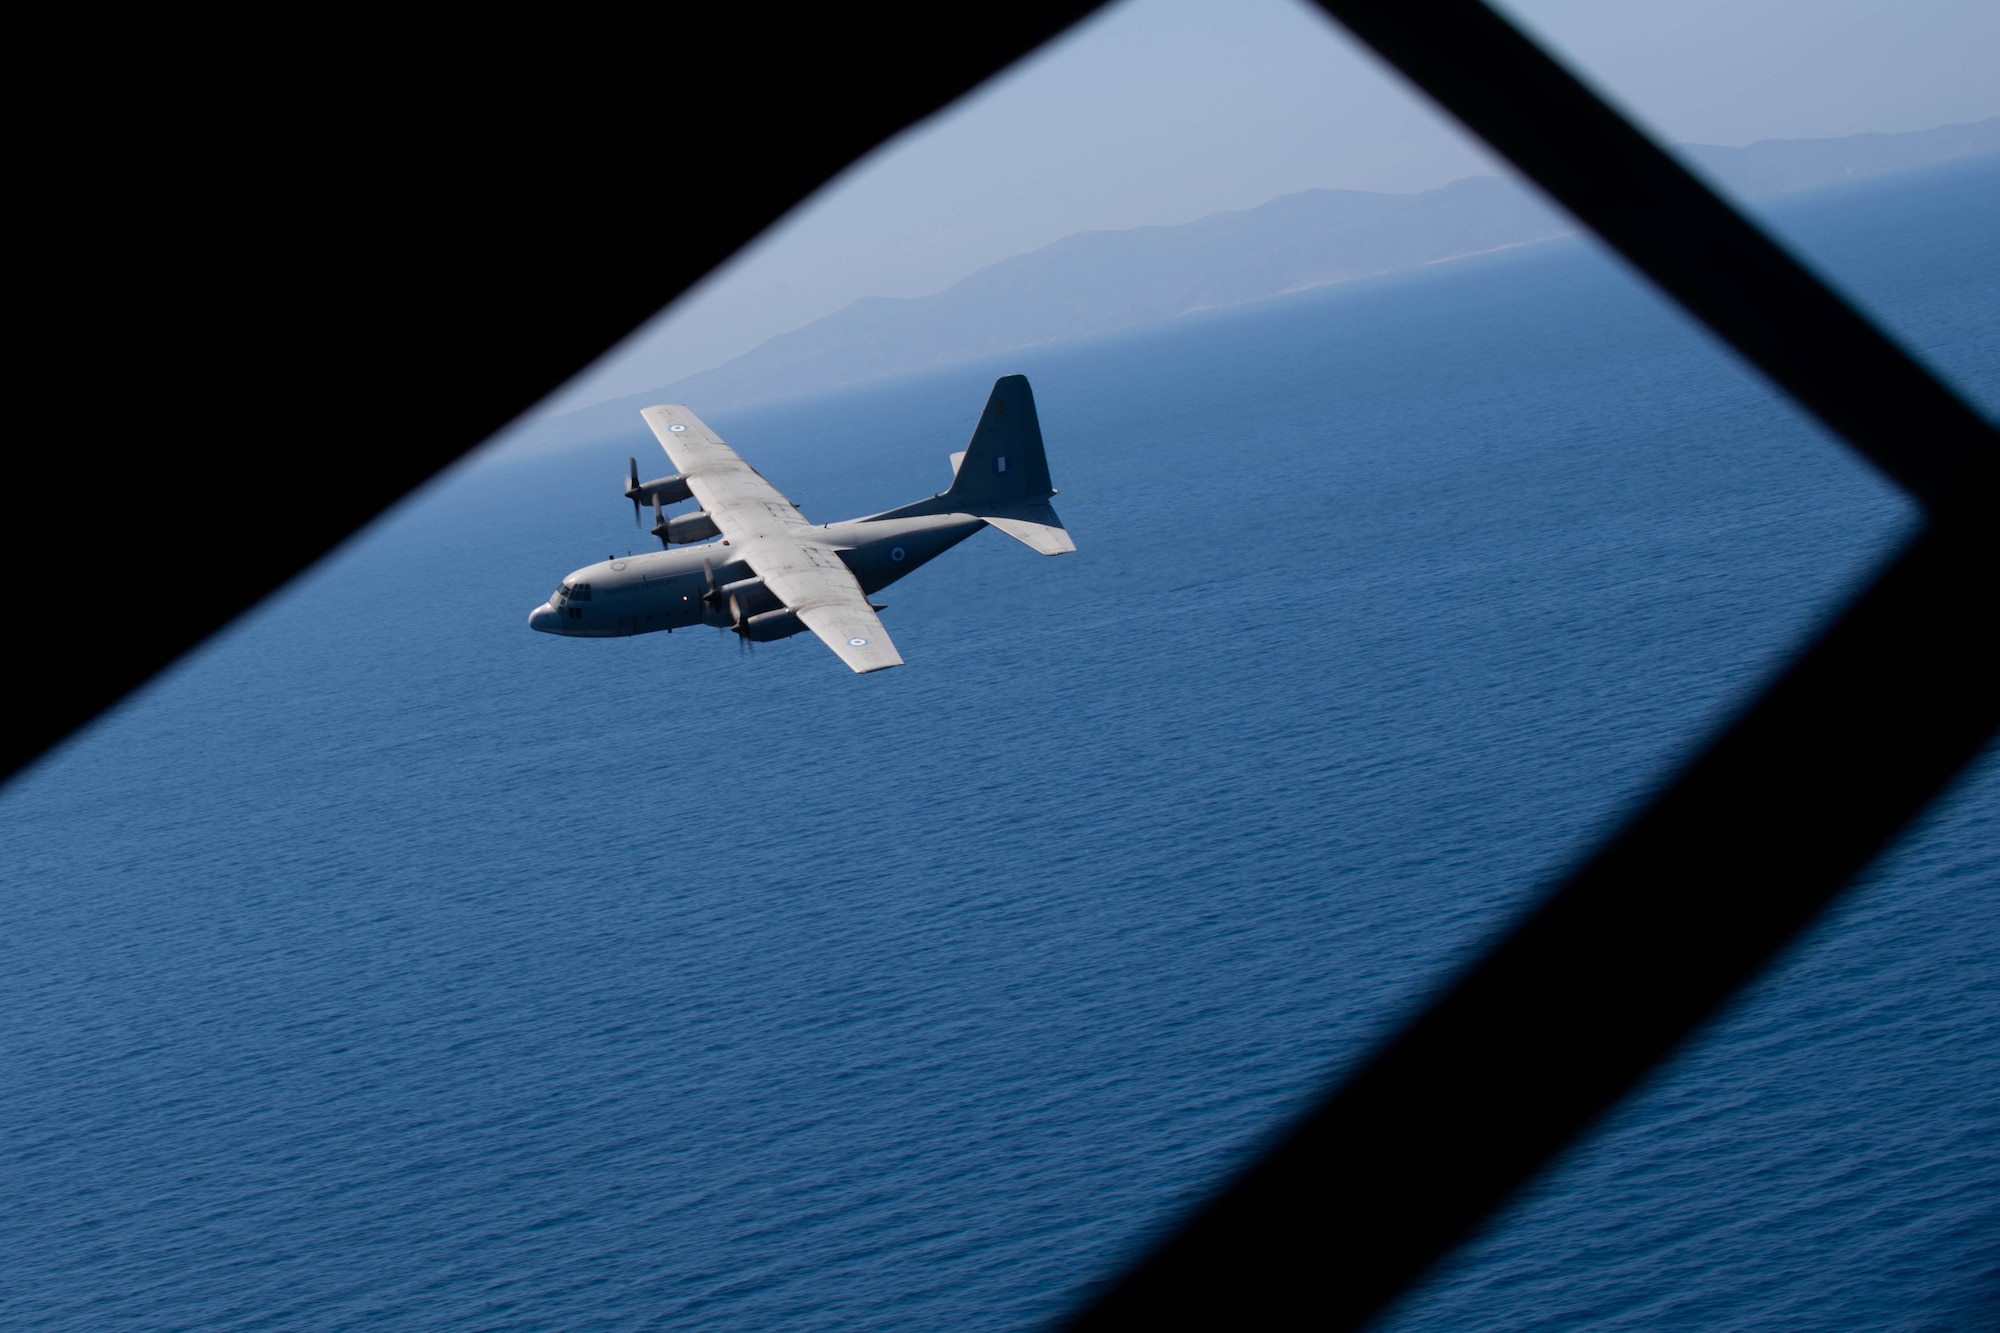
x=1003 y=475
x=1005 y=465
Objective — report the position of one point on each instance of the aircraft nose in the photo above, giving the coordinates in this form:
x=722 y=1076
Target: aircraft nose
x=544 y=618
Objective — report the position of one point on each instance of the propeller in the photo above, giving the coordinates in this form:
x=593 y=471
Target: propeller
x=732 y=606
x=660 y=528
x=632 y=492
x=737 y=622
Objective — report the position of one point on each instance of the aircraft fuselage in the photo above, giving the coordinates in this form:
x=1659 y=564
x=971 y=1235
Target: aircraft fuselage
x=662 y=590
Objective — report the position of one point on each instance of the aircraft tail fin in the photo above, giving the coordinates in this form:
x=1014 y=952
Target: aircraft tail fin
x=1005 y=463
x=1003 y=475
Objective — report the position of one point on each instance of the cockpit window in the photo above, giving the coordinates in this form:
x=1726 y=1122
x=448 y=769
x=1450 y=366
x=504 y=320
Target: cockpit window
x=556 y=597
x=580 y=592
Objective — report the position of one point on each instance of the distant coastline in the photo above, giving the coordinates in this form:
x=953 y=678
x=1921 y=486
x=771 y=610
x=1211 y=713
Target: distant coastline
x=1099 y=282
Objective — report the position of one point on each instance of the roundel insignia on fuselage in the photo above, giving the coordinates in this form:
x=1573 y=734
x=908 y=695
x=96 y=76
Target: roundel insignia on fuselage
x=857 y=643
x=897 y=553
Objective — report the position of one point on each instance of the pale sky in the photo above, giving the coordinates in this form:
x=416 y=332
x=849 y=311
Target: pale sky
x=1162 y=111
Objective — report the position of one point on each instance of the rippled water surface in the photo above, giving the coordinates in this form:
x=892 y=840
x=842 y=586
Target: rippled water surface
x=388 y=965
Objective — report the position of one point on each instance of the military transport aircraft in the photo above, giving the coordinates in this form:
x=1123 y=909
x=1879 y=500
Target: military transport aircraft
x=773 y=574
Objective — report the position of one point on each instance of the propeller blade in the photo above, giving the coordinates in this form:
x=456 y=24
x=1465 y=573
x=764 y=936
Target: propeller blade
x=659 y=522
x=632 y=490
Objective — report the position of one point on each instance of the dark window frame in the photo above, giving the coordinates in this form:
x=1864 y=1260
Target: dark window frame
x=1843 y=748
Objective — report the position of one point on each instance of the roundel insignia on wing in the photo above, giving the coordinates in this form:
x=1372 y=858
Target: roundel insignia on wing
x=677 y=427
x=857 y=643
x=897 y=553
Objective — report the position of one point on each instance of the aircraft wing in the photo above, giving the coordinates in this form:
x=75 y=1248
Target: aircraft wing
x=815 y=583
x=772 y=537
x=732 y=492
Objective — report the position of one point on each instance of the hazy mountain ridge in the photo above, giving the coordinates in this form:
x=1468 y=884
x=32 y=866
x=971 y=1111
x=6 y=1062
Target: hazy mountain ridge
x=1100 y=281
x=1781 y=166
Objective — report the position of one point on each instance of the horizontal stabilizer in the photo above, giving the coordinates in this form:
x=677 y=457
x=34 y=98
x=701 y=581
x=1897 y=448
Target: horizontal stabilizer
x=1035 y=526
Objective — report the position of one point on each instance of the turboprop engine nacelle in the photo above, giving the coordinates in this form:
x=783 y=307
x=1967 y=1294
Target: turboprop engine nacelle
x=695 y=527
x=659 y=491
x=780 y=624
x=739 y=602
x=752 y=610
x=670 y=490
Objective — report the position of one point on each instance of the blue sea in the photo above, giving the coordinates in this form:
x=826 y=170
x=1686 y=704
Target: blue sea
x=386 y=965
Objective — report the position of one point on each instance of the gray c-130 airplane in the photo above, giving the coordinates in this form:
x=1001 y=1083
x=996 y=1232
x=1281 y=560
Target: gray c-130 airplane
x=772 y=574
